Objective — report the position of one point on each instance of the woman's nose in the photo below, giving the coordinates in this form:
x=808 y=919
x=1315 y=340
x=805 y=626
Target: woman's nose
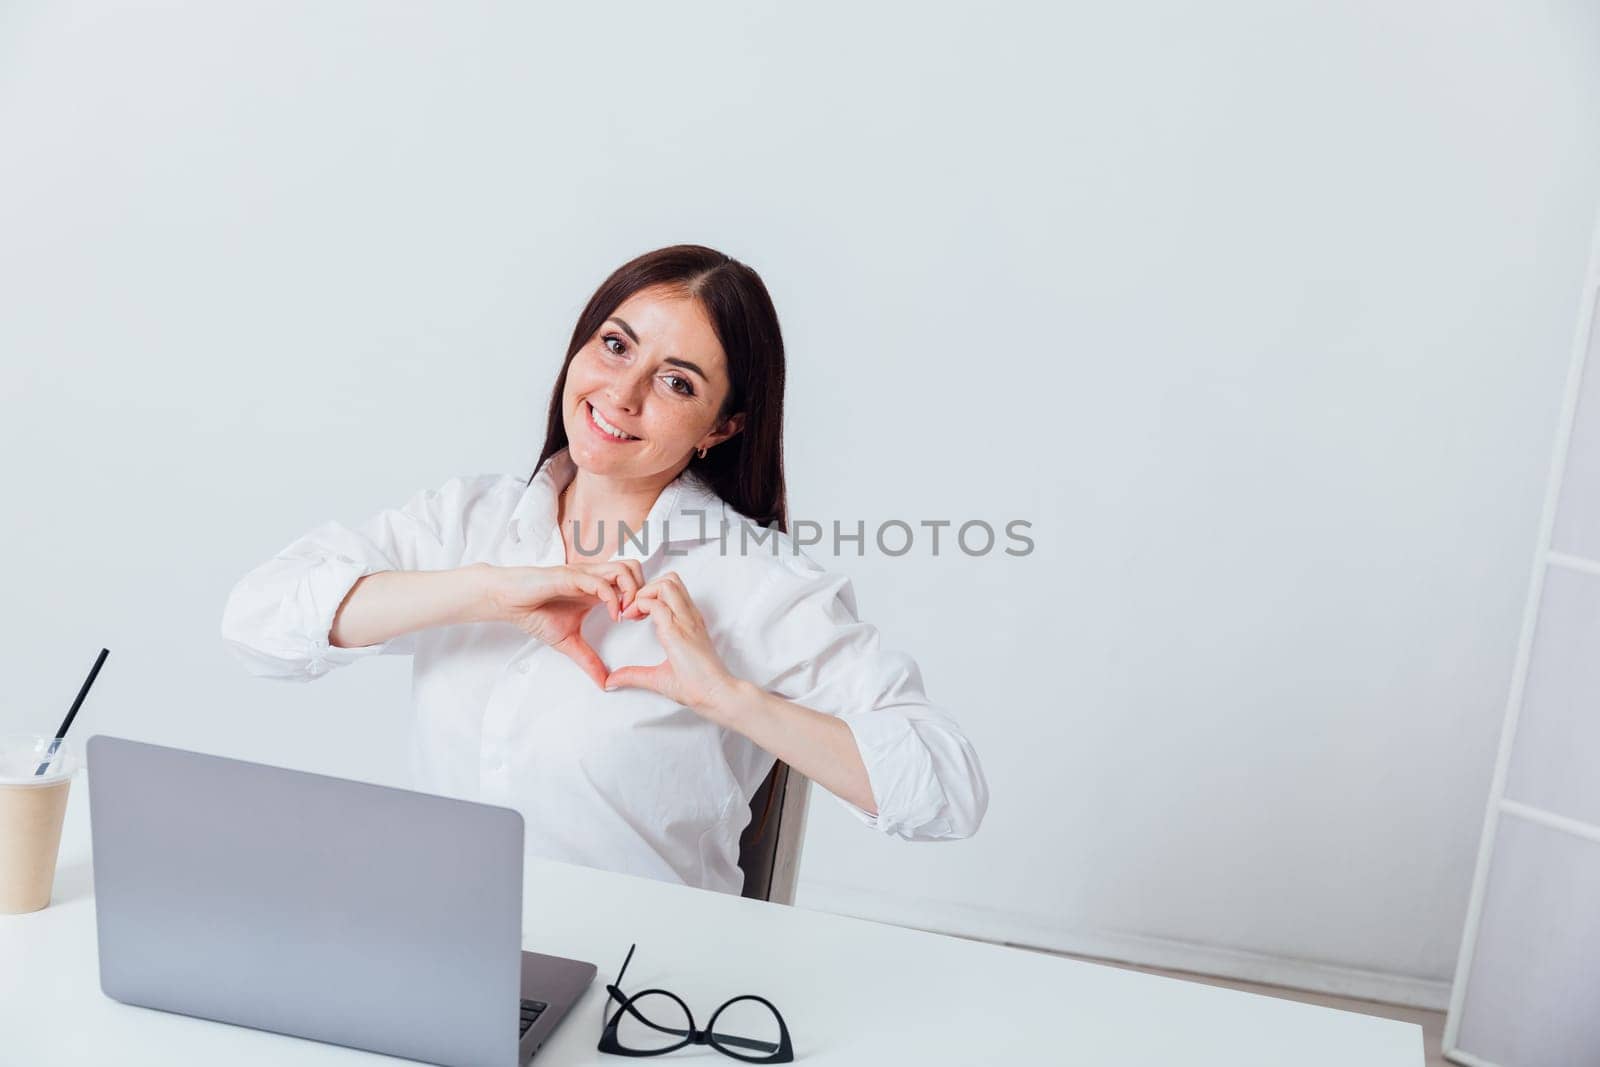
x=626 y=390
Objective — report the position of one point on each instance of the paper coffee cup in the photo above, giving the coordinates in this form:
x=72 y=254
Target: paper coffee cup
x=35 y=774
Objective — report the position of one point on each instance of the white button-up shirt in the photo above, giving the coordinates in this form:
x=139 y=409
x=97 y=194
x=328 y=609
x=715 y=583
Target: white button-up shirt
x=626 y=780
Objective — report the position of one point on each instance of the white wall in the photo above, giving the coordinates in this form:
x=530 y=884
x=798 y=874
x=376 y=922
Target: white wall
x=1259 y=311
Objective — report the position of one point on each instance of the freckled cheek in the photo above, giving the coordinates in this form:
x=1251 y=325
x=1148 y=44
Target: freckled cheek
x=671 y=429
x=582 y=380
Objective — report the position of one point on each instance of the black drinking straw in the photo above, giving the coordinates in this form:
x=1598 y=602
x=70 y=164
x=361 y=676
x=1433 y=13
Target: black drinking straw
x=66 y=724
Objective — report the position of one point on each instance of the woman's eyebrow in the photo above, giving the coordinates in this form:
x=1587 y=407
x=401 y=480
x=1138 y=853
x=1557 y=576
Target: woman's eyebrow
x=625 y=328
x=670 y=359
x=686 y=363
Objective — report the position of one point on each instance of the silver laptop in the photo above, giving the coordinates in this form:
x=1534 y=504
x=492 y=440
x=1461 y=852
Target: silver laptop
x=355 y=914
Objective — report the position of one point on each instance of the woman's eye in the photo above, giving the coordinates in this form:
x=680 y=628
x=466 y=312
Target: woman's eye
x=609 y=339
x=688 y=388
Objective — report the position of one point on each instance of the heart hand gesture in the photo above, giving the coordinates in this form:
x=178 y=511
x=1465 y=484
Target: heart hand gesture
x=692 y=674
x=549 y=603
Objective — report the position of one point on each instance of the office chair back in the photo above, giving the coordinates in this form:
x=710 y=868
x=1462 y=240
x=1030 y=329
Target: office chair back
x=769 y=848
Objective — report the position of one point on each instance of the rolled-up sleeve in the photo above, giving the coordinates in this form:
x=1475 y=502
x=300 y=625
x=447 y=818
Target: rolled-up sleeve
x=278 y=616
x=808 y=644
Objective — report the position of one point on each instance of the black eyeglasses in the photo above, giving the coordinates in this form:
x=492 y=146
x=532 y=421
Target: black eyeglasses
x=655 y=1021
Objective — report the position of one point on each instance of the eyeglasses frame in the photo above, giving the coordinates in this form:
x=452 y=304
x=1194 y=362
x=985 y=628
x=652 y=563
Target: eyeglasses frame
x=783 y=1052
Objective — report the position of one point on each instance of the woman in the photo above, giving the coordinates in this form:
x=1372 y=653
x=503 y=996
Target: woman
x=631 y=737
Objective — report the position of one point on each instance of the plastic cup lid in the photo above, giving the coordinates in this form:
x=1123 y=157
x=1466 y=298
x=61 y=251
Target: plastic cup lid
x=23 y=756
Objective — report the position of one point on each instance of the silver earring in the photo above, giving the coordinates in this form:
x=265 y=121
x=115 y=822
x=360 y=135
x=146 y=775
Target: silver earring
x=702 y=453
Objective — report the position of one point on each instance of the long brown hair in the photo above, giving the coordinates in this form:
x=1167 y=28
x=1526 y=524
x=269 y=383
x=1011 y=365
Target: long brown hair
x=747 y=469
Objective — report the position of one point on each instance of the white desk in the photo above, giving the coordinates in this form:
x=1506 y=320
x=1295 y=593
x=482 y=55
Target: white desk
x=853 y=992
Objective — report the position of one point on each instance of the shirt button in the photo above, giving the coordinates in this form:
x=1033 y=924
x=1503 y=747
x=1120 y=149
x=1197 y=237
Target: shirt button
x=523 y=667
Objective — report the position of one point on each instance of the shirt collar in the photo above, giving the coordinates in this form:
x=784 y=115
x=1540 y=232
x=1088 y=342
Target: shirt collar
x=687 y=511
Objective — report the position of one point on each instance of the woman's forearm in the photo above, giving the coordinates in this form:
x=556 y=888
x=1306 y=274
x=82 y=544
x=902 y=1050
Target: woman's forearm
x=818 y=745
x=390 y=603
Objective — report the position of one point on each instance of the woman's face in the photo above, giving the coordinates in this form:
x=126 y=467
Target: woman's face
x=656 y=371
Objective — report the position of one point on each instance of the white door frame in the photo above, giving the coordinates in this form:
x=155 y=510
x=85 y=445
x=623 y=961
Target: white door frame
x=1543 y=559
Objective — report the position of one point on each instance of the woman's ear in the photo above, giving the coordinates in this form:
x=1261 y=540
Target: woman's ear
x=734 y=424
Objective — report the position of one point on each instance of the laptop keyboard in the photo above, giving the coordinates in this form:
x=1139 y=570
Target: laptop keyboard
x=531 y=1010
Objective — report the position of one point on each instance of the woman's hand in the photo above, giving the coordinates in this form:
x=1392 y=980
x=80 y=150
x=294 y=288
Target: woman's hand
x=549 y=603
x=692 y=674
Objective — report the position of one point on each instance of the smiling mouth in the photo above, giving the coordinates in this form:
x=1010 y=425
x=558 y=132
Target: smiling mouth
x=605 y=429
